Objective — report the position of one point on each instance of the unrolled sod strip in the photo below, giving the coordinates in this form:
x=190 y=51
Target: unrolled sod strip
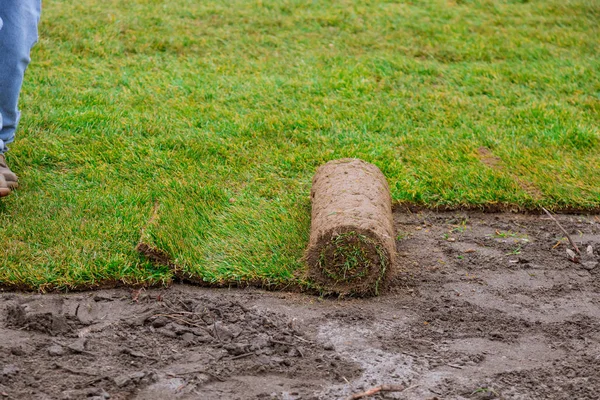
x=352 y=247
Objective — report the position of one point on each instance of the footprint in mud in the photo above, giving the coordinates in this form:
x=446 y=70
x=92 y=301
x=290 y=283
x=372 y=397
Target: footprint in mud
x=49 y=323
x=178 y=346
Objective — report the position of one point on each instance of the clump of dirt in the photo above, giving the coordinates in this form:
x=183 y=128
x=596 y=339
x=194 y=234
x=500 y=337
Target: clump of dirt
x=489 y=306
x=45 y=322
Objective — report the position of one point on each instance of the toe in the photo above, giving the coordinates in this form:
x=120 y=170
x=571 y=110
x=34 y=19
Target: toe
x=4 y=189
x=10 y=176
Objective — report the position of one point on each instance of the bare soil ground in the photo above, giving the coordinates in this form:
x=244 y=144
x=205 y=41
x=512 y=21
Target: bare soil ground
x=488 y=306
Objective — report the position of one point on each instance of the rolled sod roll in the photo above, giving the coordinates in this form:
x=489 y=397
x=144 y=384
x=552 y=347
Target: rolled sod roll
x=352 y=247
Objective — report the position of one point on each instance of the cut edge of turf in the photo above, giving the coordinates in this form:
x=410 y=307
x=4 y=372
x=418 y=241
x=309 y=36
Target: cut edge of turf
x=299 y=284
x=493 y=208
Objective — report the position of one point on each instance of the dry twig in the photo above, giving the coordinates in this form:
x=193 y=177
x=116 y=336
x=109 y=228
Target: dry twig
x=135 y=294
x=377 y=389
x=241 y=356
x=196 y=371
x=564 y=231
x=179 y=319
x=74 y=371
x=280 y=342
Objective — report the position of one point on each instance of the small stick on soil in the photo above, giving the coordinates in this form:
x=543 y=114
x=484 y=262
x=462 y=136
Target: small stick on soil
x=417 y=356
x=421 y=340
x=564 y=231
x=184 y=305
x=95 y=380
x=197 y=371
x=375 y=390
x=73 y=371
x=215 y=329
x=302 y=339
x=174 y=311
x=280 y=342
x=182 y=320
x=240 y=356
x=135 y=294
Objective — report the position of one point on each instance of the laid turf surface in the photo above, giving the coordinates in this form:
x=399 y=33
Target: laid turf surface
x=195 y=126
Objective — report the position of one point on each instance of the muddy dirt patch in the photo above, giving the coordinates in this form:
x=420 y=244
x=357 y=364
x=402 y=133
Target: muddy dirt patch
x=488 y=307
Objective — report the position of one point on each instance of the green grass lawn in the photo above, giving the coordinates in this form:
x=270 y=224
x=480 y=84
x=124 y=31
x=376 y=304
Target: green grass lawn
x=199 y=124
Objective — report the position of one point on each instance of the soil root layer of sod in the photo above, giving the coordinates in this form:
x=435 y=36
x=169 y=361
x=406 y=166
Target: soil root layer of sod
x=352 y=246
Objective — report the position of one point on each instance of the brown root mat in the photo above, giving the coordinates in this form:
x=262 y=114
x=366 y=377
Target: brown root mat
x=490 y=307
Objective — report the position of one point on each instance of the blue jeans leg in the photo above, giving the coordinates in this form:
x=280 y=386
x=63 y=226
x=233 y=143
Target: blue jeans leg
x=18 y=33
